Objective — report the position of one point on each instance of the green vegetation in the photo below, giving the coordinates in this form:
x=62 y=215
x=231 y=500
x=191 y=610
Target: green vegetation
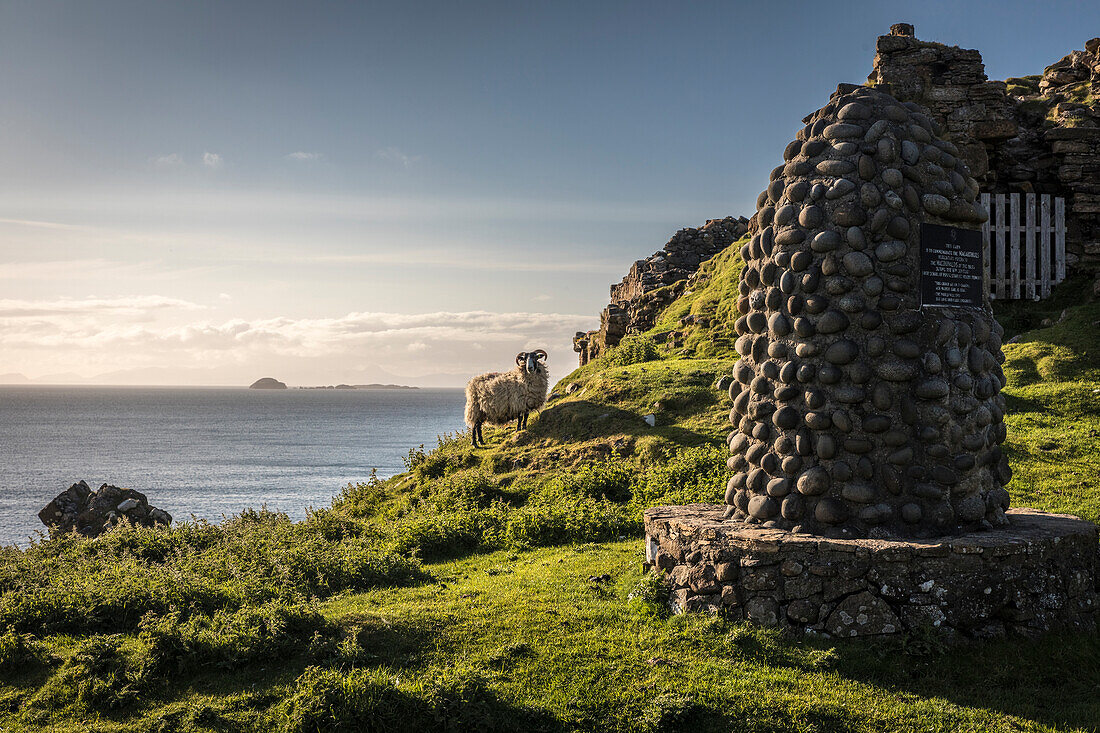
x=1022 y=86
x=501 y=589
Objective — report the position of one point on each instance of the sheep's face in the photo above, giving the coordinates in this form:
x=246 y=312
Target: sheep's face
x=530 y=360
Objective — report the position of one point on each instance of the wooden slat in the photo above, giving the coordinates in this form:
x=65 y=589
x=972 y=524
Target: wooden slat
x=1029 y=247
x=999 y=228
x=1014 y=244
x=1059 y=240
x=985 y=244
x=1044 y=245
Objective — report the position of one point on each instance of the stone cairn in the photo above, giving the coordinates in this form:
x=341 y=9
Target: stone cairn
x=858 y=412
x=90 y=513
x=868 y=490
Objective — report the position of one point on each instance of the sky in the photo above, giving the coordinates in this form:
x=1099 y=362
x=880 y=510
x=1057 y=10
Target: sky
x=210 y=192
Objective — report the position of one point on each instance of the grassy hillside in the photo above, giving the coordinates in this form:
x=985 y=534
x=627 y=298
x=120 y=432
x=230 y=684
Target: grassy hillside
x=501 y=588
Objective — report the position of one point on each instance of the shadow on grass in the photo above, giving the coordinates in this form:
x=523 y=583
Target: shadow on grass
x=584 y=420
x=1053 y=680
x=376 y=641
x=1015 y=404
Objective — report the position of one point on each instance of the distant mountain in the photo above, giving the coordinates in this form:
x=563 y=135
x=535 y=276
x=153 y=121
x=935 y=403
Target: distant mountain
x=14 y=378
x=267 y=383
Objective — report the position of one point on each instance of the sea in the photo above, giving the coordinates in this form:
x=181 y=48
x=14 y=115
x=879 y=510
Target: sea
x=207 y=452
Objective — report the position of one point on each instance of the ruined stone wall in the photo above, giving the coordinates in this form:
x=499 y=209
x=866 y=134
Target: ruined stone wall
x=640 y=296
x=1023 y=136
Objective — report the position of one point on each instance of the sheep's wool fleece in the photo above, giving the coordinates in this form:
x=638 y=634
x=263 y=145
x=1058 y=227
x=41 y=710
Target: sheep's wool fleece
x=500 y=397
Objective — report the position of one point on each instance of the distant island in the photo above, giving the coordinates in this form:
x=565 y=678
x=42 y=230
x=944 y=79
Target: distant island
x=267 y=383
x=363 y=386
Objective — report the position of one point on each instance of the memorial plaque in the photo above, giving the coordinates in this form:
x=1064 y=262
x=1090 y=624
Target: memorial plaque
x=951 y=266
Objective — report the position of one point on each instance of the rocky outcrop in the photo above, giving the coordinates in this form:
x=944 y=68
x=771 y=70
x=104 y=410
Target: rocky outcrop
x=1028 y=135
x=655 y=282
x=90 y=513
x=267 y=383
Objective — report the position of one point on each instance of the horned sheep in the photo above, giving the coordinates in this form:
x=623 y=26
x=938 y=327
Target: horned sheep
x=500 y=397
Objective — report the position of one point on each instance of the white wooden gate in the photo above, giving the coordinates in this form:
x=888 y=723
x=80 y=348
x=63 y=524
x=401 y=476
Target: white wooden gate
x=1031 y=270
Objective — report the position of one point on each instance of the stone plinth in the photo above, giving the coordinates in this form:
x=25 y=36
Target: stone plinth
x=1040 y=572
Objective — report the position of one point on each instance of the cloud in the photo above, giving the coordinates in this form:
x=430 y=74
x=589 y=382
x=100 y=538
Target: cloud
x=35 y=224
x=211 y=160
x=112 y=332
x=13 y=309
x=394 y=155
x=168 y=161
x=304 y=156
x=429 y=257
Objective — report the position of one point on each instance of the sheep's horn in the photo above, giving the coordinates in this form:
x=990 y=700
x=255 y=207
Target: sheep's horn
x=542 y=354
x=521 y=357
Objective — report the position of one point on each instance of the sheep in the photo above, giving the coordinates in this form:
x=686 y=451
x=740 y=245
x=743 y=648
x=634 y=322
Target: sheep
x=499 y=398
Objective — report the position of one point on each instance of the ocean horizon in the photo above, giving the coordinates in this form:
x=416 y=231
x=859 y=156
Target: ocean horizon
x=207 y=452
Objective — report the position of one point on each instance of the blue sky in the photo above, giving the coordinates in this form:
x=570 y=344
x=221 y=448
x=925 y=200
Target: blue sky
x=202 y=192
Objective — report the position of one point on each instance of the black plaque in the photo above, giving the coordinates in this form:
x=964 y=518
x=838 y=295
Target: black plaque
x=951 y=266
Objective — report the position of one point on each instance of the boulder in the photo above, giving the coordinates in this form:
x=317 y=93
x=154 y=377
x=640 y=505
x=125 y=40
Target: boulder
x=90 y=513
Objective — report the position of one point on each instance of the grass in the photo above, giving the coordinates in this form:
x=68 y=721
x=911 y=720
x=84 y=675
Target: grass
x=502 y=588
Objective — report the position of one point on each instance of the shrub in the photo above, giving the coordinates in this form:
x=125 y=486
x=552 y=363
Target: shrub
x=649 y=596
x=611 y=480
x=110 y=583
x=687 y=476
x=362 y=499
x=563 y=520
x=437 y=536
x=633 y=349
x=98 y=676
x=375 y=700
x=17 y=651
x=229 y=639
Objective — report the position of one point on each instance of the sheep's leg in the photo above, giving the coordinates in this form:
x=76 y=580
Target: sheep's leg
x=475 y=434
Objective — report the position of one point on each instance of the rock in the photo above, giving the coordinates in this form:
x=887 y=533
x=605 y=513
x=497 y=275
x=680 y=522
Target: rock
x=90 y=513
x=650 y=420
x=935 y=204
x=862 y=615
x=762 y=611
x=858 y=264
x=932 y=389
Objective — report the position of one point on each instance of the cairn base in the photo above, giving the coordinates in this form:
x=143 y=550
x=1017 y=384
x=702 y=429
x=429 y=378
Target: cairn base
x=1037 y=574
